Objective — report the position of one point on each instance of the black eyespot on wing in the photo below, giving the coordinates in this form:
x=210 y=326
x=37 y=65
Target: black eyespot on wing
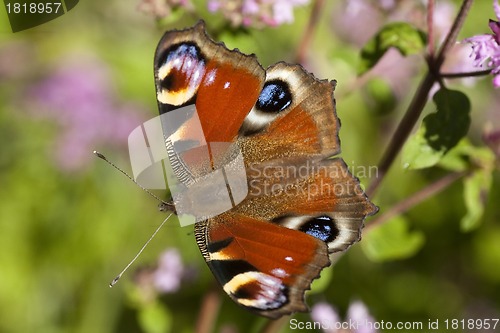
x=274 y=97
x=182 y=59
x=179 y=70
x=321 y=227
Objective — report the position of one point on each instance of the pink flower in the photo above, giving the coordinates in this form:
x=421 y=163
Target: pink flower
x=486 y=48
x=325 y=314
x=213 y=5
x=168 y=276
x=256 y=12
x=78 y=96
x=358 y=312
x=163 y=8
x=358 y=318
x=283 y=10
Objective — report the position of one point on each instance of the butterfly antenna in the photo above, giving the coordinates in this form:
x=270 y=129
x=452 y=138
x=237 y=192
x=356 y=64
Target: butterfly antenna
x=115 y=280
x=102 y=157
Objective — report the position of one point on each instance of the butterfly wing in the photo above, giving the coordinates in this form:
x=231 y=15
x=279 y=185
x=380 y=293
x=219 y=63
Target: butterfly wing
x=266 y=267
x=293 y=116
x=293 y=178
x=261 y=266
x=319 y=198
x=287 y=140
x=223 y=84
x=301 y=204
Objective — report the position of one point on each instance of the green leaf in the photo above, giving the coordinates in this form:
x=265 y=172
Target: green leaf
x=465 y=156
x=458 y=158
x=391 y=241
x=450 y=123
x=400 y=35
x=155 y=318
x=440 y=131
x=417 y=154
x=476 y=189
x=480 y=161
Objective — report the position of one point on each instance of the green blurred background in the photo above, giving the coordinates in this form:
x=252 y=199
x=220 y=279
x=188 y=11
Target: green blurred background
x=69 y=223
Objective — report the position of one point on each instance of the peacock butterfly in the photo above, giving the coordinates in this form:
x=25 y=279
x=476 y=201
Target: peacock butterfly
x=302 y=202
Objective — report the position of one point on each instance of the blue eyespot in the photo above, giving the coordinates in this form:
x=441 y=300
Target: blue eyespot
x=321 y=227
x=274 y=97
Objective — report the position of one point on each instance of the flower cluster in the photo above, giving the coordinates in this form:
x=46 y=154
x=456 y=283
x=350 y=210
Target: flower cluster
x=358 y=319
x=170 y=271
x=486 y=48
x=256 y=12
x=78 y=96
x=166 y=277
x=163 y=8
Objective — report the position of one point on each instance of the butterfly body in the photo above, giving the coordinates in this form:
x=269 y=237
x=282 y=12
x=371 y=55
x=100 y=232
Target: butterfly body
x=300 y=201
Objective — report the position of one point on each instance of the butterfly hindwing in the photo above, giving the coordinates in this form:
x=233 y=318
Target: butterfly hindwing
x=293 y=116
x=262 y=266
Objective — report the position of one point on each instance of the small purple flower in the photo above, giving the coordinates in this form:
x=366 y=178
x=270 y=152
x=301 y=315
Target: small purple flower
x=168 y=276
x=486 y=48
x=250 y=7
x=162 y=8
x=256 y=12
x=283 y=10
x=213 y=5
x=358 y=318
x=78 y=96
x=358 y=313
x=325 y=314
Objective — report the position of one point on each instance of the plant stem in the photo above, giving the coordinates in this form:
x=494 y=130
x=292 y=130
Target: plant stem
x=465 y=74
x=419 y=100
x=452 y=35
x=403 y=131
x=316 y=10
x=430 y=29
x=209 y=310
